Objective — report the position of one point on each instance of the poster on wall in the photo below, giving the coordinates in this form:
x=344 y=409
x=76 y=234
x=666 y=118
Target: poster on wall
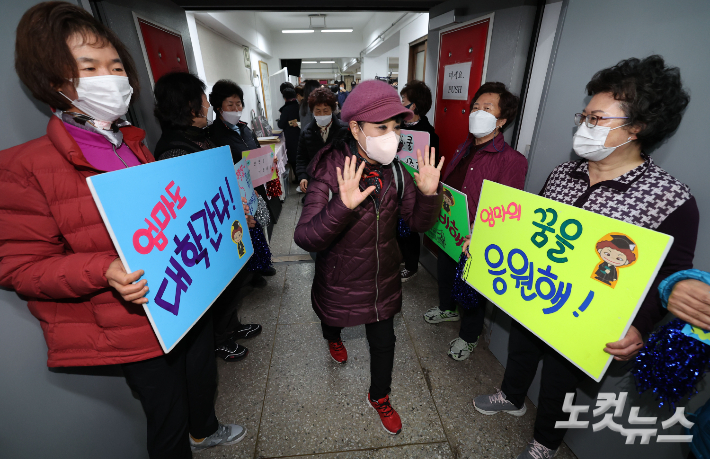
x=574 y=278
x=186 y=229
x=456 y=79
x=265 y=86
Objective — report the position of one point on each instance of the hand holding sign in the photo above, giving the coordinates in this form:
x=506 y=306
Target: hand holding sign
x=627 y=348
x=428 y=176
x=349 y=184
x=123 y=282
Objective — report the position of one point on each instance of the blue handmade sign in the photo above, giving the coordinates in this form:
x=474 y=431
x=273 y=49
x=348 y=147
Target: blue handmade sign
x=246 y=187
x=185 y=228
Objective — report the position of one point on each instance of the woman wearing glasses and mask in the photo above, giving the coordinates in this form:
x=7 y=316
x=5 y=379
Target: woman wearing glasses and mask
x=635 y=105
x=355 y=197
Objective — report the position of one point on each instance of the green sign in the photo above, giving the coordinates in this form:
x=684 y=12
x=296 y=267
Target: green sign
x=451 y=229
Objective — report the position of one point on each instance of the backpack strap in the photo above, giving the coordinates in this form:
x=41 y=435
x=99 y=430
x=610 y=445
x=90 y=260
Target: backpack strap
x=398 y=178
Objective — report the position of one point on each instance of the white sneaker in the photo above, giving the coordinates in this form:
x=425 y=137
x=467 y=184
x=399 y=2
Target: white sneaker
x=298 y=189
x=460 y=349
x=436 y=315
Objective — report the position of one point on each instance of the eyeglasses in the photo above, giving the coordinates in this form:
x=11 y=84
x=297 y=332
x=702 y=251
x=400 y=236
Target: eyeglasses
x=592 y=120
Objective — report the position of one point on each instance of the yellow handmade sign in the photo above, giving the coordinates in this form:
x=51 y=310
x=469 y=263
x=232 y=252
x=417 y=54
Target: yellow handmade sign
x=574 y=278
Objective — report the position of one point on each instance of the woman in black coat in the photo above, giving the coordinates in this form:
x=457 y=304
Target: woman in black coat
x=288 y=122
x=416 y=96
x=228 y=128
x=319 y=133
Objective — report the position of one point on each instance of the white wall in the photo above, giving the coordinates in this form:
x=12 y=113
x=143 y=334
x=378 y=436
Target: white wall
x=221 y=58
x=413 y=31
x=244 y=27
x=377 y=66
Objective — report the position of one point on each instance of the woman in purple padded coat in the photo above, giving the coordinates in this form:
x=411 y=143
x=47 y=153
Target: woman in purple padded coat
x=350 y=218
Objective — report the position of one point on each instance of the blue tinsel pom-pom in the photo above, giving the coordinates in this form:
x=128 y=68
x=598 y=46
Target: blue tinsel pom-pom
x=403 y=229
x=261 y=260
x=671 y=364
x=466 y=295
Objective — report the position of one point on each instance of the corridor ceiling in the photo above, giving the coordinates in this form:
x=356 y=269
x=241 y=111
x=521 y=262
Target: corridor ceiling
x=309 y=5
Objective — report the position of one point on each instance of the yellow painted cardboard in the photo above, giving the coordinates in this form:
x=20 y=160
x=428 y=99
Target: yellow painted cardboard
x=606 y=268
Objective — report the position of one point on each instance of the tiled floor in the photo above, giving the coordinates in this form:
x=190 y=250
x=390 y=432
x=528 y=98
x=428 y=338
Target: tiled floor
x=296 y=402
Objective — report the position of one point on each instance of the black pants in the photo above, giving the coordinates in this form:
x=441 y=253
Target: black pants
x=559 y=377
x=225 y=308
x=380 y=337
x=471 y=319
x=410 y=247
x=177 y=391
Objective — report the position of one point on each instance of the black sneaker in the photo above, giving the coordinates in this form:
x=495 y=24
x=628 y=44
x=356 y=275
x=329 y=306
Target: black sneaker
x=245 y=331
x=231 y=351
x=258 y=281
x=269 y=272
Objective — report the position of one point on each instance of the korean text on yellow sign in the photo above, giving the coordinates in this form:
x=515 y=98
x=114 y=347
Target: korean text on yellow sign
x=574 y=278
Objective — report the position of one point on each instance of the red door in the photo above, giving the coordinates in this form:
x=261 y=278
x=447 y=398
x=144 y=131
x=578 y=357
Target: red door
x=164 y=50
x=462 y=52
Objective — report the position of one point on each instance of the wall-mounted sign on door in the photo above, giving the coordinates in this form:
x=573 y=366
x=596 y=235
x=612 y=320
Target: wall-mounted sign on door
x=456 y=78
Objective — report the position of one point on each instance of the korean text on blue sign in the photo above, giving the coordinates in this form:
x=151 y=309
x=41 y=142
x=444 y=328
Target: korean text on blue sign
x=185 y=227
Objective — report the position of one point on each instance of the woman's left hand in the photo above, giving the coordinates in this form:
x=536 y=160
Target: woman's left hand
x=627 y=348
x=428 y=176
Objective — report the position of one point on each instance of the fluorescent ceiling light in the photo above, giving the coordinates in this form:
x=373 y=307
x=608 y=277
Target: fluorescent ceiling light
x=336 y=30
x=359 y=73
x=297 y=31
x=309 y=62
x=327 y=62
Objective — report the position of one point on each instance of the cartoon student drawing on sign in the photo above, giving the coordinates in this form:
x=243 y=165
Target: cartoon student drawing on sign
x=448 y=201
x=237 y=233
x=616 y=251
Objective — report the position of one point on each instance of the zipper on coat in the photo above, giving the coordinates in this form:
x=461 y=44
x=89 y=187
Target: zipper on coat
x=377 y=247
x=119 y=156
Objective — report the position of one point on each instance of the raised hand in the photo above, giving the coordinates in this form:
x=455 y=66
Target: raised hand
x=428 y=176
x=349 y=183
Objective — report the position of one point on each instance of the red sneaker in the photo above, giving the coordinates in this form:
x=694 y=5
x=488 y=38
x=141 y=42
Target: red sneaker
x=389 y=417
x=338 y=351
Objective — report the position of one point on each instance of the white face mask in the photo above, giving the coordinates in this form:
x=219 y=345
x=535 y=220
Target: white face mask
x=382 y=148
x=481 y=123
x=324 y=120
x=231 y=117
x=104 y=98
x=589 y=143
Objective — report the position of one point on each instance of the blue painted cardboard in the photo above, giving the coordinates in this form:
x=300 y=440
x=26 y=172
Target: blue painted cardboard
x=246 y=187
x=172 y=219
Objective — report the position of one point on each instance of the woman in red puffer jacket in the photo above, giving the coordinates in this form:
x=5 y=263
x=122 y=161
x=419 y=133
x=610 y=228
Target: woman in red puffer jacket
x=350 y=218
x=55 y=249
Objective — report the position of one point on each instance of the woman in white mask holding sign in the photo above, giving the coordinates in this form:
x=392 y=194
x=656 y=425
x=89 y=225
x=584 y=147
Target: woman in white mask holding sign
x=635 y=105
x=357 y=192
x=56 y=251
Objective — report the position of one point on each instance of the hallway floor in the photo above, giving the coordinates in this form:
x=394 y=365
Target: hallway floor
x=295 y=401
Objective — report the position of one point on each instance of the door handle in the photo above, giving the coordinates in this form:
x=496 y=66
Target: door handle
x=444 y=108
